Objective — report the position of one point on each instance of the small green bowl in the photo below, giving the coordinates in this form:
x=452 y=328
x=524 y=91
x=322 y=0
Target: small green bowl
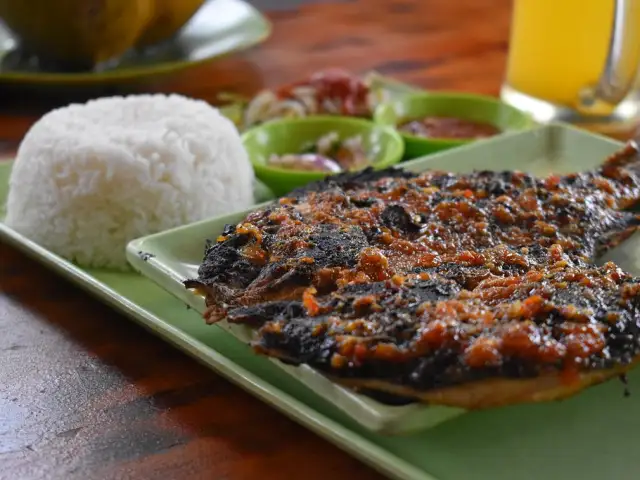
x=292 y=135
x=477 y=108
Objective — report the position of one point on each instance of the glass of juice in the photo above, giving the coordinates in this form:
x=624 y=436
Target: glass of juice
x=576 y=61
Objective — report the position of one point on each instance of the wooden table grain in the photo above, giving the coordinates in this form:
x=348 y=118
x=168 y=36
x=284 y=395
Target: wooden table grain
x=87 y=394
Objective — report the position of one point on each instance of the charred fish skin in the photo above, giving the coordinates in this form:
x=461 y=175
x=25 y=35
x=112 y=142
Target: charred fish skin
x=585 y=226
x=347 y=181
x=428 y=334
x=330 y=276
x=443 y=215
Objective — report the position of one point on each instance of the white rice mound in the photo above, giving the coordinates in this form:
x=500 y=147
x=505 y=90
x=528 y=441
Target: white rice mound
x=90 y=177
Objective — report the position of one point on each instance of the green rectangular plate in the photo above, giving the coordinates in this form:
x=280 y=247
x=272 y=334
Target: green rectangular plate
x=590 y=437
x=176 y=254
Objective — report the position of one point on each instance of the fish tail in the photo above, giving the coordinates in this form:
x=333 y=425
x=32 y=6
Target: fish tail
x=627 y=156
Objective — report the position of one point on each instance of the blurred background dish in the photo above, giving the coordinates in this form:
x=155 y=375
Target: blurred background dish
x=147 y=40
x=76 y=35
x=168 y=17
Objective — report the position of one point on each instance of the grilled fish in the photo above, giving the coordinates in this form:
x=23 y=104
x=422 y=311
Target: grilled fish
x=470 y=290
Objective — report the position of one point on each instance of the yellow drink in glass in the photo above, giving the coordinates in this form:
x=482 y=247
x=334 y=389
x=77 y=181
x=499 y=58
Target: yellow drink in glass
x=559 y=49
x=558 y=46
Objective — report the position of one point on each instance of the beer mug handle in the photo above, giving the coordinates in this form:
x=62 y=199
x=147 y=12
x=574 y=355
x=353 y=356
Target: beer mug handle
x=623 y=58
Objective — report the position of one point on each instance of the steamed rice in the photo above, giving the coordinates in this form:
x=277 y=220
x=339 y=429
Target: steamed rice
x=89 y=178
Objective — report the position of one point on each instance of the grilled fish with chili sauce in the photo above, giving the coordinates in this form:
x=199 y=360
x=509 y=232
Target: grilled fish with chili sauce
x=472 y=290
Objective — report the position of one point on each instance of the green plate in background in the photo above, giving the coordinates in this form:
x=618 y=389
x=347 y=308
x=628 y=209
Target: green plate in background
x=592 y=436
x=219 y=28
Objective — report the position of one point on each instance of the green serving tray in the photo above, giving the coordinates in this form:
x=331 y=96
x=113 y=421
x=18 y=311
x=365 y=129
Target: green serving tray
x=591 y=436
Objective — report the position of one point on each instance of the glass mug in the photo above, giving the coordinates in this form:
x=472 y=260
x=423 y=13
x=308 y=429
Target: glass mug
x=576 y=61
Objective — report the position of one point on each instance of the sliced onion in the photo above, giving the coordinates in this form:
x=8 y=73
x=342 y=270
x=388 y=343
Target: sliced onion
x=308 y=162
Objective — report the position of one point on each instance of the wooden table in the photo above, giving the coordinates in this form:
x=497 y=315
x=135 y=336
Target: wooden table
x=87 y=394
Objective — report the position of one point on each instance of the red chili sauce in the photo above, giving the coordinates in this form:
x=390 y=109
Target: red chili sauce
x=448 y=127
